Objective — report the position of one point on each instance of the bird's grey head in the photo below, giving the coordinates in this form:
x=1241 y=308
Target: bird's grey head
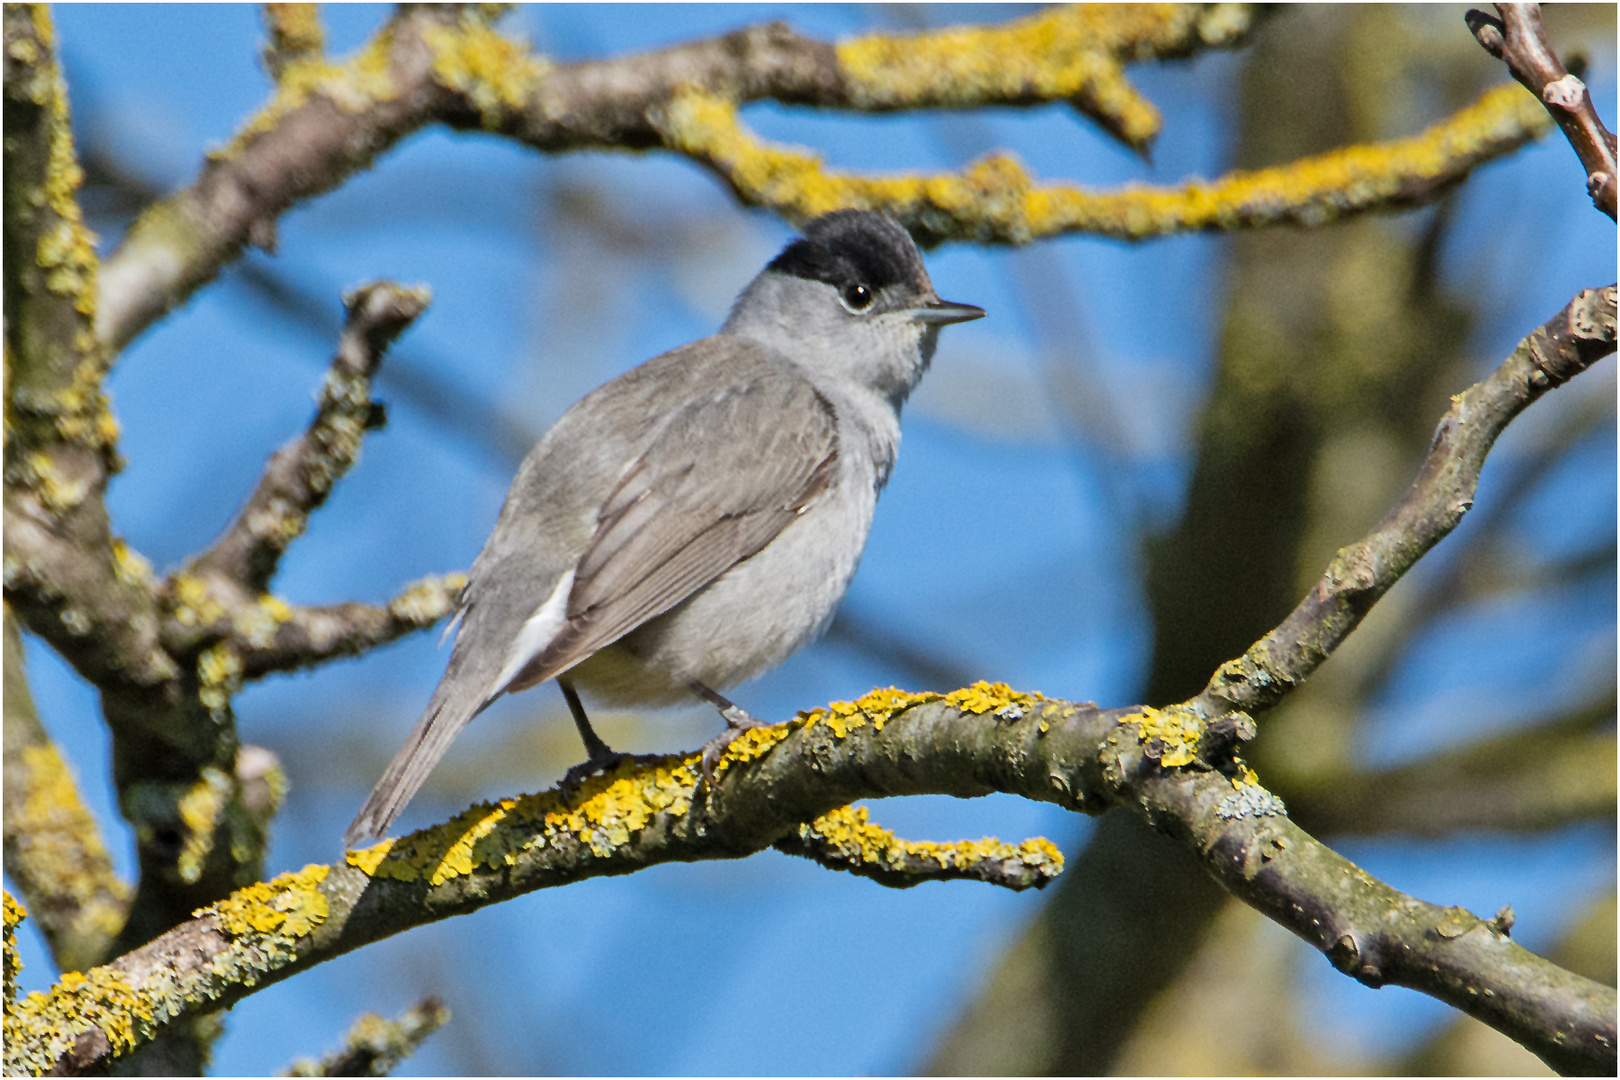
x=849 y=301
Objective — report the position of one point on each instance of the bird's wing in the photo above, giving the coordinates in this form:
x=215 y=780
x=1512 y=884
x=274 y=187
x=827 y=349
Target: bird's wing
x=726 y=475
x=678 y=508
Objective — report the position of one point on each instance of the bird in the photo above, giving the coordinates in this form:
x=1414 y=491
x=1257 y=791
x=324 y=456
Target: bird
x=691 y=523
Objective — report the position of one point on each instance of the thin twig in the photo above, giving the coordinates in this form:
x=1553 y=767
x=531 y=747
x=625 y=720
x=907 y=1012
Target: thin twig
x=289 y=638
x=301 y=474
x=1519 y=39
x=1578 y=336
x=374 y=1046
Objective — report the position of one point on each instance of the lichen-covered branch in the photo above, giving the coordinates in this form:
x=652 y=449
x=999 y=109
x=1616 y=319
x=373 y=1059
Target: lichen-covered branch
x=847 y=840
x=53 y=847
x=437 y=65
x=1519 y=39
x=10 y=962
x=374 y=1046
x=996 y=201
x=302 y=474
x=289 y=637
x=64 y=574
x=66 y=577
x=1070 y=52
x=324 y=123
x=772 y=781
x=296 y=37
x=1578 y=336
x=54 y=368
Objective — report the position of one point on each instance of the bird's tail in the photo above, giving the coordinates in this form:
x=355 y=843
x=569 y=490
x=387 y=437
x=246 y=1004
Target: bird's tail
x=443 y=720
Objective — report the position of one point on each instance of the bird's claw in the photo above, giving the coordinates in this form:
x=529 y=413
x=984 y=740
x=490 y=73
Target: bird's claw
x=737 y=722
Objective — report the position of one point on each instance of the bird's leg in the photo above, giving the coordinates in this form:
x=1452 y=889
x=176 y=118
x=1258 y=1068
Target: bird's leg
x=599 y=755
x=737 y=721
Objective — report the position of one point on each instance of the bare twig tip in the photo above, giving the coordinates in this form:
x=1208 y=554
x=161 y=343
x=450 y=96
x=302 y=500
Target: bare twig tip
x=1487 y=30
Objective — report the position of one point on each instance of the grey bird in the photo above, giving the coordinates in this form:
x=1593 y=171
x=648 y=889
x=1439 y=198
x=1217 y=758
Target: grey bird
x=691 y=523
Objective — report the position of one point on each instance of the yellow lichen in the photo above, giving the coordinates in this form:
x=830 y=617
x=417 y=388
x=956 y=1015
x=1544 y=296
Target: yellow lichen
x=997 y=195
x=219 y=676
x=983 y=697
x=10 y=961
x=81 y=1001
x=1178 y=730
x=851 y=836
x=201 y=808
x=66 y=251
x=354 y=85
x=610 y=811
x=754 y=743
x=87 y=414
x=295 y=33
x=265 y=922
x=285 y=908
x=882 y=704
x=130 y=566
x=1063 y=53
x=50 y=788
x=705 y=126
x=367 y=860
x=192 y=602
x=428 y=600
x=876 y=707
x=496 y=74
x=55 y=491
x=257 y=623
x=57 y=844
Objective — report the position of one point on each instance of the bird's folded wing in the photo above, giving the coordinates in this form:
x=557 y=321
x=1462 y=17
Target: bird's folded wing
x=724 y=477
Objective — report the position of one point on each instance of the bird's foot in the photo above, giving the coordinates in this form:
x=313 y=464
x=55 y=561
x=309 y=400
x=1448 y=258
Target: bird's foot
x=737 y=722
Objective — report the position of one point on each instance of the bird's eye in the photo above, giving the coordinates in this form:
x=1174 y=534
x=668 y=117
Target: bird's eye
x=857 y=297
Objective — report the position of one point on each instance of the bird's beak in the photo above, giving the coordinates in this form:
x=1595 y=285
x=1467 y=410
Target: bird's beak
x=942 y=313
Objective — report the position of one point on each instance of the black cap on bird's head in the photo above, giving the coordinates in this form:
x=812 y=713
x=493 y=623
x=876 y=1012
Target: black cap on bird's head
x=861 y=254
x=848 y=246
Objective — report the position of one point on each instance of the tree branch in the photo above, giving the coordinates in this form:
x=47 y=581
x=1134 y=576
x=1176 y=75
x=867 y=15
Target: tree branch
x=1519 y=39
x=53 y=848
x=438 y=64
x=995 y=201
x=374 y=1046
x=64 y=574
x=1473 y=574
x=296 y=37
x=1578 y=336
x=431 y=65
x=297 y=637
x=302 y=473
x=845 y=840
x=970 y=743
